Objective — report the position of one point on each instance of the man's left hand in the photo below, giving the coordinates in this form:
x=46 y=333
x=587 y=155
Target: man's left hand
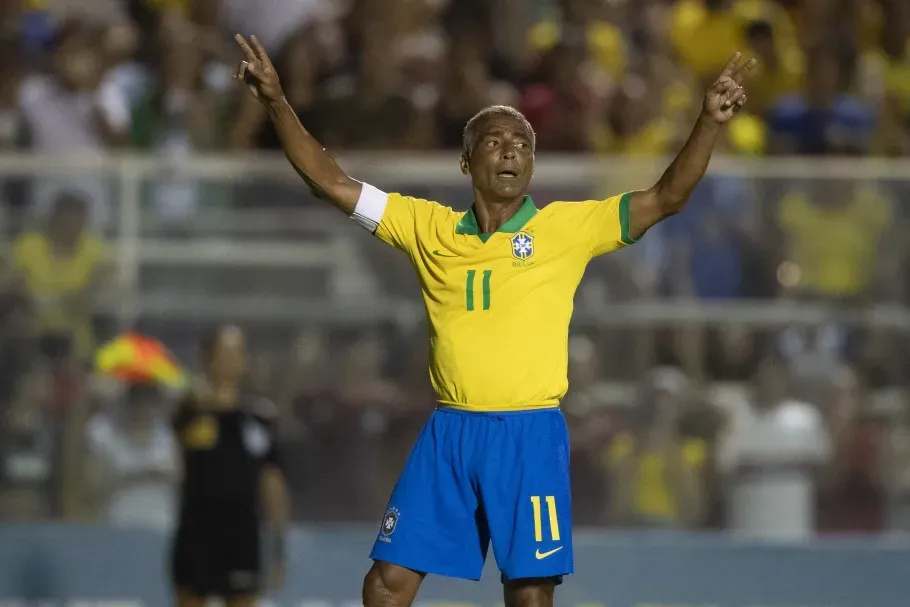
x=726 y=97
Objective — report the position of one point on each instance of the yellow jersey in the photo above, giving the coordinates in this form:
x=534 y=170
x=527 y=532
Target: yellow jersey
x=51 y=279
x=498 y=304
x=836 y=248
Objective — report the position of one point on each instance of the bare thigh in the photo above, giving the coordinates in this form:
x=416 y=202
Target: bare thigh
x=530 y=592
x=388 y=585
x=185 y=599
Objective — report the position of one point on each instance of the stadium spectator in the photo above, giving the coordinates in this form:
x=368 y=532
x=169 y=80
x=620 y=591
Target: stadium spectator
x=733 y=353
x=274 y=21
x=617 y=78
x=591 y=423
x=470 y=88
x=835 y=232
x=770 y=458
x=132 y=462
x=64 y=268
x=73 y=109
x=783 y=67
x=302 y=60
x=559 y=103
x=657 y=473
x=14 y=135
x=366 y=399
x=705 y=33
x=179 y=114
x=896 y=447
x=853 y=495
x=28 y=430
x=827 y=117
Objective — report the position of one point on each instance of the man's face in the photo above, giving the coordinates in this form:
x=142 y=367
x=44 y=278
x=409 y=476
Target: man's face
x=823 y=79
x=762 y=44
x=67 y=224
x=502 y=161
x=229 y=358
x=77 y=62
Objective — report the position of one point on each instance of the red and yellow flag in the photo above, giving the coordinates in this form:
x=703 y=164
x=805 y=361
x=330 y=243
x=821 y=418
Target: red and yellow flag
x=136 y=358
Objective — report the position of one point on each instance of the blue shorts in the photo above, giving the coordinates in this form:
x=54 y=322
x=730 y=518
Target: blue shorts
x=474 y=477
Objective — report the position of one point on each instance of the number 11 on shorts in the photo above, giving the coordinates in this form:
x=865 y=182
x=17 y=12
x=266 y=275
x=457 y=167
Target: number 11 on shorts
x=538 y=522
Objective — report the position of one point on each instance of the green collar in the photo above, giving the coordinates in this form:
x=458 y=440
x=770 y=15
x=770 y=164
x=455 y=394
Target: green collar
x=527 y=210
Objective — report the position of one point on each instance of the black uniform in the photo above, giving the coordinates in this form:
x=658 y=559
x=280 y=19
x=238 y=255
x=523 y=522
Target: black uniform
x=216 y=551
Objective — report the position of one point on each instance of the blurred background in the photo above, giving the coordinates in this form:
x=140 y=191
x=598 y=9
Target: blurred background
x=743 y=368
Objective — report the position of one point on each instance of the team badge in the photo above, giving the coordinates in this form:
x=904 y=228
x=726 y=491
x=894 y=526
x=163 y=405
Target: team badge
x=255 y=439
x=522 y=245
x=202 y=433
x=390 y=521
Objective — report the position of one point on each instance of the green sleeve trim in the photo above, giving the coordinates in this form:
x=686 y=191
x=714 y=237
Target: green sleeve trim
x=624 y=219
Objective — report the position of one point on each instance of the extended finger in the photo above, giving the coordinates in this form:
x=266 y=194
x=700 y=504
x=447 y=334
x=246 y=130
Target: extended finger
x=731 y=64
x=260 y=52
x=740 y=74
x=250 y=55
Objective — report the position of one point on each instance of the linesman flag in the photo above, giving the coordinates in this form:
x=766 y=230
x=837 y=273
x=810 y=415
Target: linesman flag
x=139 y=359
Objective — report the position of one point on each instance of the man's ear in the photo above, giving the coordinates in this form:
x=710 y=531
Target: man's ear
x=465 y=167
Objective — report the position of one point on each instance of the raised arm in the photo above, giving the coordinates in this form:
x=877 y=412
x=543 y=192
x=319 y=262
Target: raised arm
x=669 y=195
x=316 y=166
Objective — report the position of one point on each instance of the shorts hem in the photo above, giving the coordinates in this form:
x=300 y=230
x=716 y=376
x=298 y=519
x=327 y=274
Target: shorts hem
x=556 y=577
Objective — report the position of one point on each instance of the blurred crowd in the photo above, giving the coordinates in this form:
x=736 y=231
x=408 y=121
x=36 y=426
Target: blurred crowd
x=673 y=426
x=602 y=76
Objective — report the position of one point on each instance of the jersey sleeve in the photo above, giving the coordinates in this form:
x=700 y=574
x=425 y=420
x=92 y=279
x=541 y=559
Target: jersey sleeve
x=602 y=225
x=395 y=219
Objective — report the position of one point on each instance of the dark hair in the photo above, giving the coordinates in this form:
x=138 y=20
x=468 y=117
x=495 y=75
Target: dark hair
x=73 y=30
x=70 y=202
x=469 y=137
x=759 y=30
x=844 y=54
x=209 y=341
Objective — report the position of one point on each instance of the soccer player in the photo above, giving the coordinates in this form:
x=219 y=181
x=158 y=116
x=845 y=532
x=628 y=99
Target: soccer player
x=231 y=481
x=498 y=282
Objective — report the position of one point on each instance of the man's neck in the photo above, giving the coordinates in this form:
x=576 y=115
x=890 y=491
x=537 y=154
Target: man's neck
x=493 y=215
x=225 y=394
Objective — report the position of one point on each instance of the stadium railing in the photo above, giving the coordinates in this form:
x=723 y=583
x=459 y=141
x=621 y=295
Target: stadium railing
x=262 y=220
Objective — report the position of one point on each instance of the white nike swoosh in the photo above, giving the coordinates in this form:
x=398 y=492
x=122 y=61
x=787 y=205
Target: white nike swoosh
x=542 y=555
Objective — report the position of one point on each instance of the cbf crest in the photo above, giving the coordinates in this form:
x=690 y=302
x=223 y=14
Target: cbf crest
x=255 y=438
x=522 y=245
x=390 y=521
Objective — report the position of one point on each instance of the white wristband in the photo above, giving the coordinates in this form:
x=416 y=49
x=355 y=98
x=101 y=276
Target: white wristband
x=370 y=207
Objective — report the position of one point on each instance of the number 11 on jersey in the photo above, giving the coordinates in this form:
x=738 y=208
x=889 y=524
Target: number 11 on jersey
x=538 y=523
x=485 y=290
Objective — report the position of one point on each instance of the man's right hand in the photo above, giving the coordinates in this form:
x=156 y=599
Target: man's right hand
x=316 y=166
x=258 y=73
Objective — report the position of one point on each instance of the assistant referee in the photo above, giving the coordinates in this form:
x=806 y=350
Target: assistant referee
x=233 y=488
